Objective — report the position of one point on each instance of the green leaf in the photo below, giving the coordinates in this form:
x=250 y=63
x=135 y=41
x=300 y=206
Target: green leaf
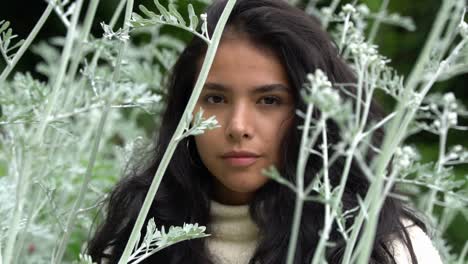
x=163 y=11
x=274 y=174
x=148 y=13
x=176 y=13
x=193 y=18
x=9 y=33
x=4 y=25
x=7 y=38
x=189 y=119
x=16 y=45
x=138 y=21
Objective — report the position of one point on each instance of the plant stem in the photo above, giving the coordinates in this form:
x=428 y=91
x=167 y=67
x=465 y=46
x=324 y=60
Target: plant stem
x=359 y=220
x=84 y=186
x=392 y=140
x=89 y=18
x=440 y=163
x=66 y=54
x=4 y=54
x=326 y=182
x=21 y=187
x=295 y=227
x=359 y=136
x=359 y=94
x=27 y=42
x=462 y=256
x=332 y=9
x=185 y=28
x=452 y=28
x=377 y=21
x=211 y=52
x=343 y=35
x=95 y=58
x=447 y=216
x=86 y=29
x=38 y=204
x=302 y=162
x=443 y=133
x=350 y=153
x=417 y=72
x=310 y=144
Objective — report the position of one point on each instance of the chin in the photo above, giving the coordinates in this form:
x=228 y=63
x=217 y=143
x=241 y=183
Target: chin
x=245 y=188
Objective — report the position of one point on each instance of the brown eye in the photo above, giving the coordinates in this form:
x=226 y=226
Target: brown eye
x=270 y=100
x=214 y=99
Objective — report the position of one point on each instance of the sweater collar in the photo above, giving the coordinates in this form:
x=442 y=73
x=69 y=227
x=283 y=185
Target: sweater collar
x=232 y=223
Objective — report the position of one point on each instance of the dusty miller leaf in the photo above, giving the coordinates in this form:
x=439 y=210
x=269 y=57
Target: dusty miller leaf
x=193 y=18
x=156 y=240
x=200 y=124
x=176 y=13
x=171 y=17
x=163 y=11
x=6 y=36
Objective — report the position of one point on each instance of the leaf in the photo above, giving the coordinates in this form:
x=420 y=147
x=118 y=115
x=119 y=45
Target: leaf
x=138 y=21
x=274 y=174
x=8 y=37
x=148 y=13
x=16 y=45
x=85 y=259
x=9 y=33
x=150 y=228
x=163 y=11
x=5 y=25
x=193 y=18
x=199 y=116
x=176 y=13
x=189 y=118
x=136 y=16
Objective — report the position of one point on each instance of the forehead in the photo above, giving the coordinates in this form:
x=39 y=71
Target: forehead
x=241 y=64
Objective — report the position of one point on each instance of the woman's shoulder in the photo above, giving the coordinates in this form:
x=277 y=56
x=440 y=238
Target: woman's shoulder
x=423 y=247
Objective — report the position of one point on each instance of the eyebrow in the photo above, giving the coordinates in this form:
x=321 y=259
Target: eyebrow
x=257 y=89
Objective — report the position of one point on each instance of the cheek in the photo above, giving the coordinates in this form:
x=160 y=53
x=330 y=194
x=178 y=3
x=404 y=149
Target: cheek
x=281 y=132
x=278 y=130
x=205 y=142
x=201 y=142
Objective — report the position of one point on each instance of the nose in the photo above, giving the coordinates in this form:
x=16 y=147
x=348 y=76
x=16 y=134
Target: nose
x=239 y=123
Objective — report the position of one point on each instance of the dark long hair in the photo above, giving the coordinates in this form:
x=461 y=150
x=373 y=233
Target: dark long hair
x=186 y=190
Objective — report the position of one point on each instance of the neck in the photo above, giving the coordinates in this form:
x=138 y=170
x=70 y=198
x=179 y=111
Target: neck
x=226 y=196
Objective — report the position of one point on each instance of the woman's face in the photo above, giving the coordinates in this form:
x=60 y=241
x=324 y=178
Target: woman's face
x=248 y=91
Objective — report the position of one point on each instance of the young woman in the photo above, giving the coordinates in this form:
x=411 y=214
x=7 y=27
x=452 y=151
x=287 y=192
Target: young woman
x=215 y=179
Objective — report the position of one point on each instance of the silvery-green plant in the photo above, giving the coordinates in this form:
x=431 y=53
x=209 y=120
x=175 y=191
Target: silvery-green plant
x=6 y=38
x=369 y=66
x=212 y=43
x=59 y=136
x=174 y=18
x=199 y=125
x=156 y=240
x=37 y=137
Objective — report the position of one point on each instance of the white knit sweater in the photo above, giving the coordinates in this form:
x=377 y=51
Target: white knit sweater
x=234 y=237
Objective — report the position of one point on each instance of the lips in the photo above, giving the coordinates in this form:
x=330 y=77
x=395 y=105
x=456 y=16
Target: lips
x=239 y=154
x=240 y=158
